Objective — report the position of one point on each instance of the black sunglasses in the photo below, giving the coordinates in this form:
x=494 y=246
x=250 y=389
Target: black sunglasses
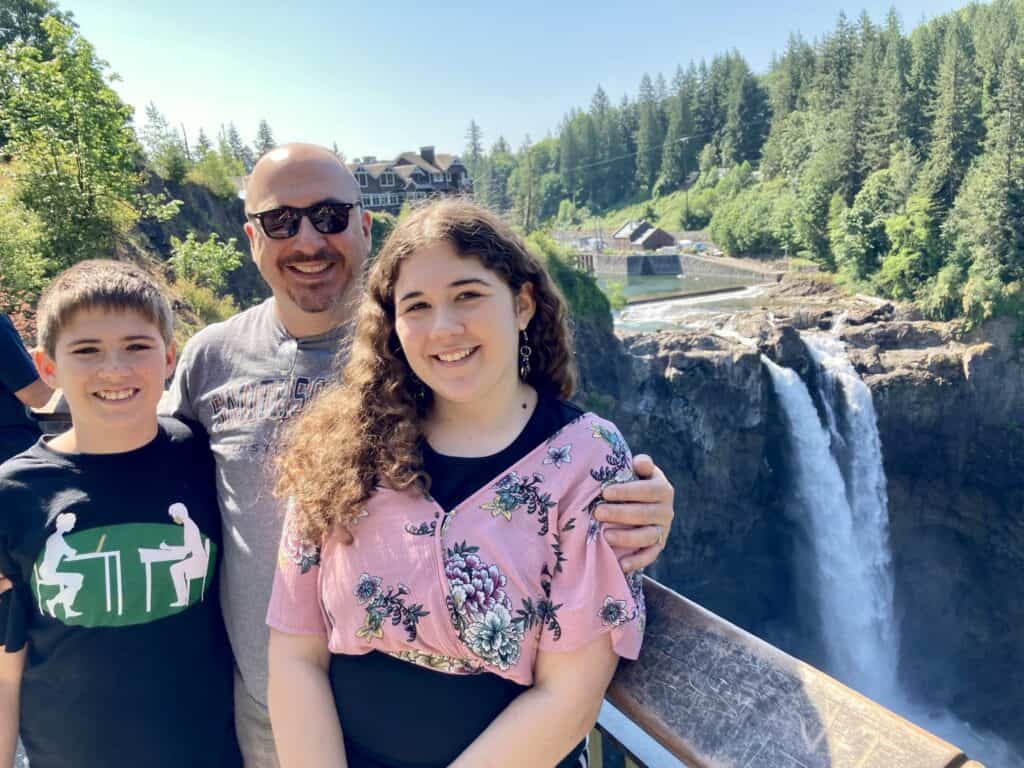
x=327 y=217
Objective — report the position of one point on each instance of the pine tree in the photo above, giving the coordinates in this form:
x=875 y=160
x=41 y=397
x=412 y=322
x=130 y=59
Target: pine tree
x=237 y=148
x=747 y=118
x=889 y=118
x=164 y=146
x=203 y=145
x=264 y=140
x=474 y=147
x=956 y=126
x=649 y=135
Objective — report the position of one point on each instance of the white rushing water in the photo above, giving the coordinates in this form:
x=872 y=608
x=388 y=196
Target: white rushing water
x=839 y=494
x=854 y=605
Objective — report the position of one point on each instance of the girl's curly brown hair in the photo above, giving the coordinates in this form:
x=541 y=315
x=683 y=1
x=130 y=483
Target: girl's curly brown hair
x=366 y=431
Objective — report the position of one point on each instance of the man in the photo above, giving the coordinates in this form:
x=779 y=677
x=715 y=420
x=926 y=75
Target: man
x=194 y=559
x=243 y=378
x=20 y=386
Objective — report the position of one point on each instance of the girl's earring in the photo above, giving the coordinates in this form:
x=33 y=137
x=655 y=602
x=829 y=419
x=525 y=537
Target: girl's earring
x=525 y=351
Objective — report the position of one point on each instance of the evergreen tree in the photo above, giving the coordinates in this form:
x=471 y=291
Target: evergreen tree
x=649 y=136
x=678 y=155
x=474 y=147
x=837 y=61
x=203 y=145
x=569 y=158
x=986 y=225
x=956 y=127
x=889 y=118
x=237 y=148
x=264 y=140
x=164 y=147
x=747 y=118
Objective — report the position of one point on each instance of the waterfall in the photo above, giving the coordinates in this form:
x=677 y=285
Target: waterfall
x=847 y=523
x=839 y=495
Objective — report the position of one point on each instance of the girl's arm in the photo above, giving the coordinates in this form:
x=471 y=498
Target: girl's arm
x=11 y=665
x=302 y=714
x=543 y=724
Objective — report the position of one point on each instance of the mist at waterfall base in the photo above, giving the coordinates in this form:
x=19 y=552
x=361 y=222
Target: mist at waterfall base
x=837 y=495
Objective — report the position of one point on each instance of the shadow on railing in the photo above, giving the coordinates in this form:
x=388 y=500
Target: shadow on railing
x=706 y=694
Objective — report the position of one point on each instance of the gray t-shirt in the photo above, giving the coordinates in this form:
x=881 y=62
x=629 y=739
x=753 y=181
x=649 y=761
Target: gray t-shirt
x=242 y=379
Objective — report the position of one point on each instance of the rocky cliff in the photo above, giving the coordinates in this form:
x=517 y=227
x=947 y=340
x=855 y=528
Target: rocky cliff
x=950 y=408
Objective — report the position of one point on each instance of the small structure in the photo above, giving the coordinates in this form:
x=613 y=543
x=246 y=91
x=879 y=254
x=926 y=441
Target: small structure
x=652 y=239
x=623 y=237
x=639 y=235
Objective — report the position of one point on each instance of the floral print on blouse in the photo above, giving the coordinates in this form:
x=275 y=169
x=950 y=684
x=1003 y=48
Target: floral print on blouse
x=519 y=566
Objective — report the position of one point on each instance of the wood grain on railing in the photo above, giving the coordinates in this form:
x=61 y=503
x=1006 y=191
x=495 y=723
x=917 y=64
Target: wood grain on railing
x=717 y=697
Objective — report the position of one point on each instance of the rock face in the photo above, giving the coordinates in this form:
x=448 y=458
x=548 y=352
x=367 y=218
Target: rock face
x=950 y=409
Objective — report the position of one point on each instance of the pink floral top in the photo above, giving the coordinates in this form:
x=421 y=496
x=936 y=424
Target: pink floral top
x=519 y=566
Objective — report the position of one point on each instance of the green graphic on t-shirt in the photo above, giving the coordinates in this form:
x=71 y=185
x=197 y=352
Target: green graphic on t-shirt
x=119 y=575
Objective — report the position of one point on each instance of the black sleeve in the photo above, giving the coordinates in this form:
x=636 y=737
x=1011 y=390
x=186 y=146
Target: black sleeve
x=17 y=370
x=14 y=603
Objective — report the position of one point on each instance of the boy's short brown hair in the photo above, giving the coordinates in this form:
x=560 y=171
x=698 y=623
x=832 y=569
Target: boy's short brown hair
x=104 y=284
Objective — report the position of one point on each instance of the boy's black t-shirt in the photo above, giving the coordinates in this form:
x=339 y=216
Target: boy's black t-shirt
x=128 y=662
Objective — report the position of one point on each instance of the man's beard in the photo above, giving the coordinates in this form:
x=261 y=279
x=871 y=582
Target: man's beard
x=315 y=299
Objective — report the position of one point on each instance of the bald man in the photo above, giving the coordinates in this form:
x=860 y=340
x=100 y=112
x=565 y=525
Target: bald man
x=243 y=378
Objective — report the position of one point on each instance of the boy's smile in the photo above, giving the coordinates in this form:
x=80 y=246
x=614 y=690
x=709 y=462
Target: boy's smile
x=111 y=365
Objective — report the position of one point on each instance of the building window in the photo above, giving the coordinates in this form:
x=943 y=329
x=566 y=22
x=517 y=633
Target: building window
x=393 y=199
x=387 y=179
x=447 y=176
x=437 y=177
x=362 y=178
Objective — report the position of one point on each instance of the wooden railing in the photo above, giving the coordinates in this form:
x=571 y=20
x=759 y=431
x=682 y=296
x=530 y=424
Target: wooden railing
x=714 y=696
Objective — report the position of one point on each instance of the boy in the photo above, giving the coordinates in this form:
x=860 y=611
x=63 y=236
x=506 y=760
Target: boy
x=113 y=646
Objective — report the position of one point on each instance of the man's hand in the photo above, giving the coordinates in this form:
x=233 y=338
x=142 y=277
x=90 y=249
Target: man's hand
x=644 y=508
x=5 y=584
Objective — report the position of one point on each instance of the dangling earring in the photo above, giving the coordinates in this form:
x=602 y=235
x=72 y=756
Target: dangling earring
x=525 y=350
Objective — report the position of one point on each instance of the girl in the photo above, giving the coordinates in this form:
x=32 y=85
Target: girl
x=444 y=595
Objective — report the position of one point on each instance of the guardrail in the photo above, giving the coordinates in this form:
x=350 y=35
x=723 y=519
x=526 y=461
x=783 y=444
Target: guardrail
x=714 y=696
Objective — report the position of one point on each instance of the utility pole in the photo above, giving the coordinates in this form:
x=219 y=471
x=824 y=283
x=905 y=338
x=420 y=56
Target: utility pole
x=686 y=178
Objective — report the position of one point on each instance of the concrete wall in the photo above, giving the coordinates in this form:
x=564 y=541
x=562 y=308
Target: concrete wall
x=687 y=264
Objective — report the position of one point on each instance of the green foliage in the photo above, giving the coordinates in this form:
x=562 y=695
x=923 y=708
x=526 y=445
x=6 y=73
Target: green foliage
x=215 y=170
x=165 y=149
x=581 y=291
x=22 y=265
x=73 y=142
x=616 y=295
x=206 y=305
x=381 y=227
x=915 y=253
x=205 y=264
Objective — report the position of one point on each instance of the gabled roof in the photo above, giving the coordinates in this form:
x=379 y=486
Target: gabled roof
x=373 y=169
x=631 y=229
x=412 y=158
x=648 y=234
x=444 y=162
x=405 y=173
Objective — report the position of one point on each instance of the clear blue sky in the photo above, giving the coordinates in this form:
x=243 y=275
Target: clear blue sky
x=382 y=77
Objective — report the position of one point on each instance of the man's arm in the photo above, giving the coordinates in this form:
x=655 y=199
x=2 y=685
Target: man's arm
x=644 y=510
x=11 y=666
x=35 y=395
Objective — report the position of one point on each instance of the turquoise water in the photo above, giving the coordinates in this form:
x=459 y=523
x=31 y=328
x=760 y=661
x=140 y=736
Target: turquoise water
x=694 y=313
x=650 y=286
